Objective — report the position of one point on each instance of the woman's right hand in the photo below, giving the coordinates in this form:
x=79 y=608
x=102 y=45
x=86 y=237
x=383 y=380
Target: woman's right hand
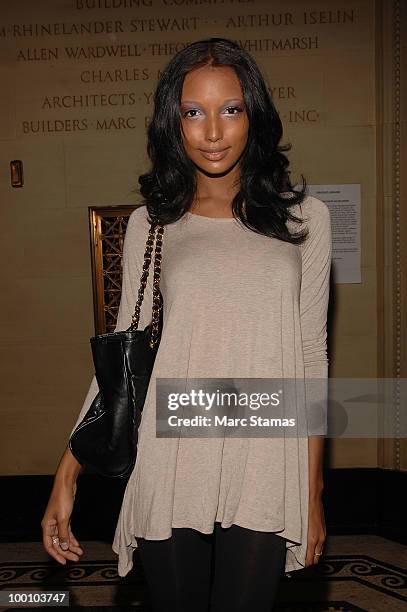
x=56 y=523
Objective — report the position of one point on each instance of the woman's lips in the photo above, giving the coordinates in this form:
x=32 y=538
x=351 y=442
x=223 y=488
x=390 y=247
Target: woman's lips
x=215 y=156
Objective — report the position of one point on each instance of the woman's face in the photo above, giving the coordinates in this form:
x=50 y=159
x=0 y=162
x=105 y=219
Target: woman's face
x=213 y=118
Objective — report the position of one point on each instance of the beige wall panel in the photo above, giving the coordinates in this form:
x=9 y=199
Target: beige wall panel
x=343 y=155
x=12 y=246
x=355 y=306
x=101 y=173
x=7 y=108
x=33 y=456
x=50 y=311
x=28 y=417
x=38 y=453
x=353 y=453
x=63 y=232
x=71 y=371
x=369 y=221
x=325 y=91
x=347 y=102
x=355 y=356
x=44 y=174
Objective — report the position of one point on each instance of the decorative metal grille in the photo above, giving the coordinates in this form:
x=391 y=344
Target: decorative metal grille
x=108 y=228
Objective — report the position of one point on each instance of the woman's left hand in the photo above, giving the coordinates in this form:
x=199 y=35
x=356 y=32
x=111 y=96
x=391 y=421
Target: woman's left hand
x=316 y=531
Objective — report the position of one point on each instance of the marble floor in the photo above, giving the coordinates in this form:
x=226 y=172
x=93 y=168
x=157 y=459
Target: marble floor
x=356 y=573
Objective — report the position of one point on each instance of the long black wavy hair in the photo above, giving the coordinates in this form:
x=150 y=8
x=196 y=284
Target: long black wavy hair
x=169 y=187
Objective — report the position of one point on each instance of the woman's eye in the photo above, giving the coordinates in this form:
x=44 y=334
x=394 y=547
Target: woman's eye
x=235 y=111
x=191 y=110
x=236 y=108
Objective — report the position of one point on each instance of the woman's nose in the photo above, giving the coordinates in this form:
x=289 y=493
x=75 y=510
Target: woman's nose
x=213 y=129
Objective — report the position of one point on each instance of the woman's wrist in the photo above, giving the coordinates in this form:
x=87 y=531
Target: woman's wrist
x=68 y=469
x=67 y=479
x=315 y=493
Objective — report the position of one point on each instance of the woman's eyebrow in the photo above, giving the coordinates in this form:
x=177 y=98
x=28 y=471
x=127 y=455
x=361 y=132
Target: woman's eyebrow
x=238 y=100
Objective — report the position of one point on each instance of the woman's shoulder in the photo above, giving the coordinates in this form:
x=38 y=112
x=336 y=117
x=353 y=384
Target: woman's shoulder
x=139 y=214
x=312 y=210
x=314 y=218
x=138 y=223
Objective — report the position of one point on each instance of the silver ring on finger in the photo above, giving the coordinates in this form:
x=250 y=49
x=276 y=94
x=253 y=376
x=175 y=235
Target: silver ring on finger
x=55 y=539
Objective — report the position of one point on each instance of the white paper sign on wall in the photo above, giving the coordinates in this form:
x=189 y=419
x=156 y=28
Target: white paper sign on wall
x=344 y=206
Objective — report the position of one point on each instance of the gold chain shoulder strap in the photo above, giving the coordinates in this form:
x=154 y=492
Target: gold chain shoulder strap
x=155 y=233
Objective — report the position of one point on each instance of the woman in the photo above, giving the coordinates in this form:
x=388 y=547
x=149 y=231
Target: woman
x=245 y=296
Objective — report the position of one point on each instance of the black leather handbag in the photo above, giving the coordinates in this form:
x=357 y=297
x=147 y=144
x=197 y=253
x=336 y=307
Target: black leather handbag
x=106 y=438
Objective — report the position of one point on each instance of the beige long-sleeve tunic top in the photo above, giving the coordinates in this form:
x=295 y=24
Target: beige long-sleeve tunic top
x=236 y=304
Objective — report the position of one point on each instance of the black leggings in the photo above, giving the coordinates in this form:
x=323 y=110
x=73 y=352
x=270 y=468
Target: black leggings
x=240 y=573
